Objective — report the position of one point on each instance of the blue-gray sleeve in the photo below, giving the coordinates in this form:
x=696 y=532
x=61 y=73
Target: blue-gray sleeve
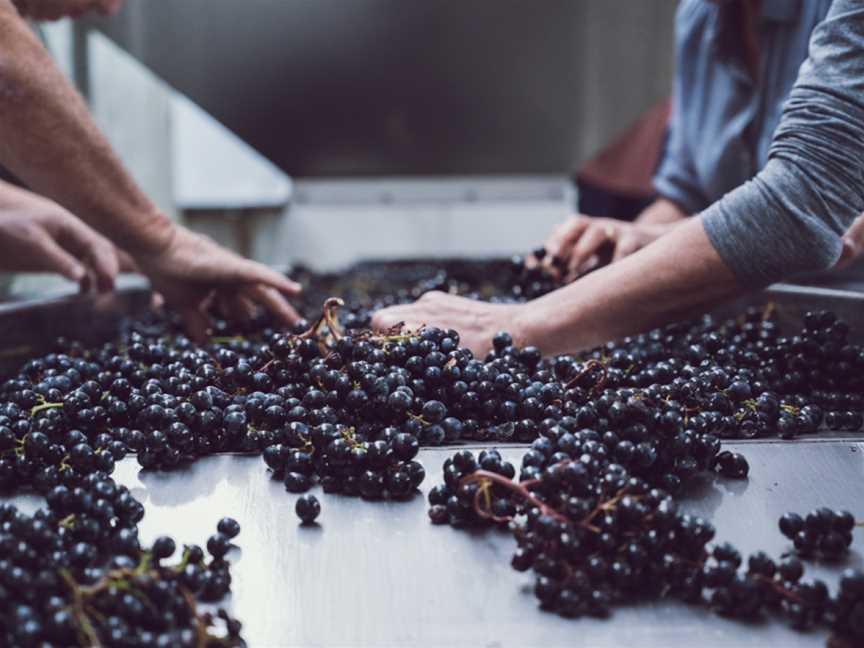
x=790 y=218
x=676 y=177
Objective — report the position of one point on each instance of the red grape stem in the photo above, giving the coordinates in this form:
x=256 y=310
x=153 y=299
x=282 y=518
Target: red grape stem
x=590 y=365
x=485 y=478
x=517 y=489
x=331 y=306
x=782 y=591
x=263 y=368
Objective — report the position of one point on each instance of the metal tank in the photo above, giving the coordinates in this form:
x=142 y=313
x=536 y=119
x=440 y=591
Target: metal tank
x=403 y=87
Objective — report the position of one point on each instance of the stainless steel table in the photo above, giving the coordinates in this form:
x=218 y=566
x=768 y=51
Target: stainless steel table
x=379 y=574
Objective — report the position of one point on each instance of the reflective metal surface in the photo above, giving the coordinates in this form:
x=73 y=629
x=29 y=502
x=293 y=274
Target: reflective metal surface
x=29 y=325
x=379 y=574
x=395 y=87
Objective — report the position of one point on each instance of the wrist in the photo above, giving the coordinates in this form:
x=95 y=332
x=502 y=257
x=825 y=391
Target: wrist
x=155 y=235
x=531 y=326
x=556 y=323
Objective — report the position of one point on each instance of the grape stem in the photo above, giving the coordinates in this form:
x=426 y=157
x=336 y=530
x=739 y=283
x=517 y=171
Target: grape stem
x=782 y=591
x=331 y=306
x=517 y=489
x=590 y=365
x=43 y=406
x=120 y=578
x=87 y=632
x=484 y=478
x=327 y=316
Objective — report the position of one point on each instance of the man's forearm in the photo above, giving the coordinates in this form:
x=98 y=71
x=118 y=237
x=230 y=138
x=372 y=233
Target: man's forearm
x=49 y=140
x=676 y=275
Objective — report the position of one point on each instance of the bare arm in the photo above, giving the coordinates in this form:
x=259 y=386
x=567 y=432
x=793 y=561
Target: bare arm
x=677 y=274
x=49 y=140
x=792 y=217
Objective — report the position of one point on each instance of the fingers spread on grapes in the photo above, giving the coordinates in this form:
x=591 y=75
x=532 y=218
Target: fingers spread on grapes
x=560 y=243
x=475 y=321
x=599 y=233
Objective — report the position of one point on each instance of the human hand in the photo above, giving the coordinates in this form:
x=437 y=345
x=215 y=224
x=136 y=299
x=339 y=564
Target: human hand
x=578 y=244
x=853 y=243
x=191 y=271
x=57 y=9
x=37 y=235
x=476 y=322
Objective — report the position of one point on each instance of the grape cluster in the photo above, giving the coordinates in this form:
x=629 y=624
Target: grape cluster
x=753 y=380
x=355 y=408
x=849 y=607
x=367 y=287
x=740 y=378
x=614 y=433
x=596 y=536
x=76 y=572
x=822 y=531
x=455 y=502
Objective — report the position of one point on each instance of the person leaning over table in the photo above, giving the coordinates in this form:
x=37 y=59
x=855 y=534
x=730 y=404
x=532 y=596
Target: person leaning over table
x=735 y=63
x=791 y=217
x=50 y=142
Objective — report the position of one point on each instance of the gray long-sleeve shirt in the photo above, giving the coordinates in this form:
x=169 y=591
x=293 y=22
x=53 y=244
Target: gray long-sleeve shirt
x=790 y=218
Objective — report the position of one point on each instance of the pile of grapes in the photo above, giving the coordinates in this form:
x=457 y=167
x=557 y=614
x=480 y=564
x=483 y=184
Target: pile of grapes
x=615 y=434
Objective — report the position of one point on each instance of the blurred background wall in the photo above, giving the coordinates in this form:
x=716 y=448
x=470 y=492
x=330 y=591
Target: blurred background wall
x=325 y=131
